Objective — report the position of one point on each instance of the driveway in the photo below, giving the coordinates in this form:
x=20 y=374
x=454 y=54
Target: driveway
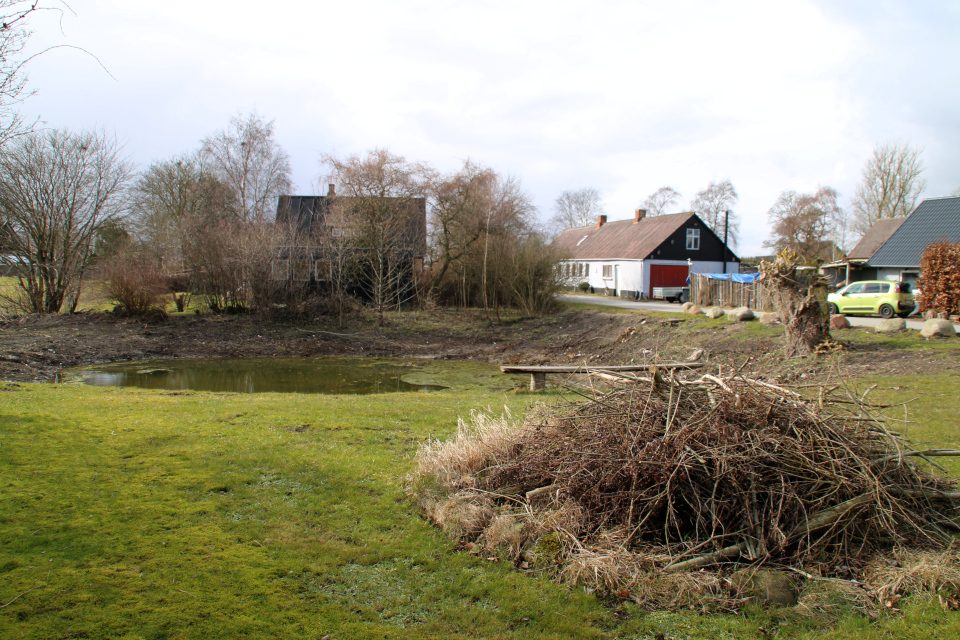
x=656 y=305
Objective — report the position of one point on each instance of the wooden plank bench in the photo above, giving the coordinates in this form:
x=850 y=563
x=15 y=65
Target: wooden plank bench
x=538 y=374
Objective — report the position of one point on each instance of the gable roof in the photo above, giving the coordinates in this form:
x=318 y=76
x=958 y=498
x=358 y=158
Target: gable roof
x=874 y=238
x=621 y=239
x=935 y=220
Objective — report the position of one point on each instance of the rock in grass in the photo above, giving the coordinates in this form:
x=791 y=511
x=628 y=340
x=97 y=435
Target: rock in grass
x=740 y=314
x=772 y=588
x=893 y=325
x=838 y=321
x=714 y=313
x=938 y=327
x=768 y=317
x=694 y=310
x=686 y=305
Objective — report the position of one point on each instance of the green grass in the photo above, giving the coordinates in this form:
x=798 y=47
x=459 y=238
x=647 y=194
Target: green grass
x=140 y=514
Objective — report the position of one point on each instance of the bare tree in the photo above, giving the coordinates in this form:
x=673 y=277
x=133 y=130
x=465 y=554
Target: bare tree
x=14 y=16
x=806 y=223
x=712 y=205
x=657 y=202
x=387 y=220
x=576 y=208
x=246 y=158
x=57 y=190
x=171 y=201
x=890 y=186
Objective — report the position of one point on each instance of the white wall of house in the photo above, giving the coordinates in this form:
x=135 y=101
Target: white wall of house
x=627 y=275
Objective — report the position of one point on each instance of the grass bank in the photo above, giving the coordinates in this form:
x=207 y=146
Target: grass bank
x=141 y=514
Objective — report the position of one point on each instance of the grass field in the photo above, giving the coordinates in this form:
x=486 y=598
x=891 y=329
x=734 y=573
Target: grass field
x=139 y=514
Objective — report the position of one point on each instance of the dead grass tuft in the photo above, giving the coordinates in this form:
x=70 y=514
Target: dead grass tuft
x=908 y=572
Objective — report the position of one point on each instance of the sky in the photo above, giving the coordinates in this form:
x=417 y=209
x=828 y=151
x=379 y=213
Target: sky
x=621 y=96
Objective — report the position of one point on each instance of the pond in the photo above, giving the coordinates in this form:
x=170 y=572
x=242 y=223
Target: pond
x=293 y=375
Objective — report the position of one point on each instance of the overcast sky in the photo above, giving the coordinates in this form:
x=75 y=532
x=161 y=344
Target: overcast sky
x=623 y=96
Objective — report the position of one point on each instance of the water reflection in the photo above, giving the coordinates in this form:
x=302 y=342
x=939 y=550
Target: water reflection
x=256 y=375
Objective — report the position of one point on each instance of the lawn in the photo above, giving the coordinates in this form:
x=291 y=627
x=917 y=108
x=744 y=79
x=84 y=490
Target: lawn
x=147 y=514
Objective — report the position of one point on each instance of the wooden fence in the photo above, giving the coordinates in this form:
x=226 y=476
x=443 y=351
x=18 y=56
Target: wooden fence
x=706 y=292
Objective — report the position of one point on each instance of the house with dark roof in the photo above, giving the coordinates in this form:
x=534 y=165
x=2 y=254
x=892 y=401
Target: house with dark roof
x=892 y=248
x=322 y=224
x=631 y=257
x=854 y=267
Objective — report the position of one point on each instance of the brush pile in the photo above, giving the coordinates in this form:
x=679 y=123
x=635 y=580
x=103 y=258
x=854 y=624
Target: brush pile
x=664 y=475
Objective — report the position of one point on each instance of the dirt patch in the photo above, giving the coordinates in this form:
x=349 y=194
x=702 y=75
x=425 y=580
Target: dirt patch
x=35 y=348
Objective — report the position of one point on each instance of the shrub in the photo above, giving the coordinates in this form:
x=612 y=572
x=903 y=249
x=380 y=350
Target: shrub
x=584 y=286
x=939 y=280
x=134 y=282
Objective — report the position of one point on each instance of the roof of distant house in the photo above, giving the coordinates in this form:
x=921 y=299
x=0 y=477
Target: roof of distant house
x=935 y=220
x=621 y=239
x=874 y=238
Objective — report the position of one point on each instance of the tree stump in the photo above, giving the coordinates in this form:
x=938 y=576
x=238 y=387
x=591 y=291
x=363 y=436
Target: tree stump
x=800 y=297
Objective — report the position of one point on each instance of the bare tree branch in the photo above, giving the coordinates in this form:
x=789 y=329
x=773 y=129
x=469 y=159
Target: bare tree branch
x=660 y=200
x=891 y=184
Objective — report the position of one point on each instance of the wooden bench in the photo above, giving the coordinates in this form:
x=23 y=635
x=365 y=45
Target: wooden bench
x=538 y=374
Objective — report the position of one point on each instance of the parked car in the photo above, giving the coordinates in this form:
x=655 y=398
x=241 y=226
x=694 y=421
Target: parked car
x=873 y=296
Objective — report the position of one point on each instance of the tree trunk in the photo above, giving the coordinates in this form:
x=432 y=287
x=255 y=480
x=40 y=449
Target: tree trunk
x=800 y=299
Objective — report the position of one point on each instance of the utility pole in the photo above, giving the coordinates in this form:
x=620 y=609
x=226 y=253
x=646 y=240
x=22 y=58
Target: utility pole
x=726 y=228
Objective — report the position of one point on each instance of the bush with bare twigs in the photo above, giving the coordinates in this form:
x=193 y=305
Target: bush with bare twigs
x=640 y=487
x=134 y=282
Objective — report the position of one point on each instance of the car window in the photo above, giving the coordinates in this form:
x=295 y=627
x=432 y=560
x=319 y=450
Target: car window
x=854 y=288
x=871 y=287
x=884 y=288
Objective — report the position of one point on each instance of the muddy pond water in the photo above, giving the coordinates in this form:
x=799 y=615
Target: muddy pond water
x=294 y=375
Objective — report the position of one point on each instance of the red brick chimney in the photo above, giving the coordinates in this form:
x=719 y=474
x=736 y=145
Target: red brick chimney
x=639 y=215
x=331 y=191
x=601 y=220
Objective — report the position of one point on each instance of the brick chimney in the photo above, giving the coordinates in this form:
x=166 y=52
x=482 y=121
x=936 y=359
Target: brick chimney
x=601 y=220
x=331 y=190
x=639 y=215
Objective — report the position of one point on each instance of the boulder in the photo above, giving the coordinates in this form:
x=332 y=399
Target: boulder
x=839 y=321
x=740 y=314
x=893 y=325
x=693 y=309
x=686 y=305
x=714 y=313
x=938 y=327
x=772 y=588
x=768 y=317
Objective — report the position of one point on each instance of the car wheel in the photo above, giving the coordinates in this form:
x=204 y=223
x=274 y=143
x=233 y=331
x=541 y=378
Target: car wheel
x=886 y=311
x=832 y=308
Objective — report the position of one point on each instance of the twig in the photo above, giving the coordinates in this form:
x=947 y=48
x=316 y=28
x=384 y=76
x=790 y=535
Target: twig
x=22 y=594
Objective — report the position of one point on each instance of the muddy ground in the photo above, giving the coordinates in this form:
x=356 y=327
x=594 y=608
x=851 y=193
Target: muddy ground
x=35 y=348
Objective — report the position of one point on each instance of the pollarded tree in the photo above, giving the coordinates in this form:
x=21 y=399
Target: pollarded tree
x=245 y=157
x=890 y=186
x=806 y=223
x=577 y=208
x=713 y=204
x=660 y=200
x=57 y=191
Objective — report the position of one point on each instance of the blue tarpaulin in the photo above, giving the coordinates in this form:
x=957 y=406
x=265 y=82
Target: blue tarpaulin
x=735 y=277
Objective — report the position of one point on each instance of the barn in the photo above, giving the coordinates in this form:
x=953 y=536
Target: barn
x=630 y=257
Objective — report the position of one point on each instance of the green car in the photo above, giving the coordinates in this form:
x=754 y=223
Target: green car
x=873 y=296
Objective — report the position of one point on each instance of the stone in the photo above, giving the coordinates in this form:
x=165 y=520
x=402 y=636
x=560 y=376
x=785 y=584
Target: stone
x=893 y=325
x=839 y=321
x=765 y=587
x=695 y=356
x=740 y=314
x=694 y=310
x=714 y=313
x=768 y=317
x=686 y=305
x=938 y=327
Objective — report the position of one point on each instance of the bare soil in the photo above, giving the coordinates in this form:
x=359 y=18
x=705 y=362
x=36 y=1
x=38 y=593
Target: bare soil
x=35 y=348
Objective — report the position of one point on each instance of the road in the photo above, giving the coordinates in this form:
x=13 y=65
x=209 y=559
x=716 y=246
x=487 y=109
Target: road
x=657 y=305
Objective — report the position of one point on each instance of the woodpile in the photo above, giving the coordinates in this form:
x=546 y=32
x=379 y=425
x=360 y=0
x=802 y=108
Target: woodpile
x=667 y=475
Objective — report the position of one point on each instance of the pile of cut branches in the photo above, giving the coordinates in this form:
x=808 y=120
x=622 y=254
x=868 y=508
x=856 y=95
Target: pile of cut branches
x=669 y=474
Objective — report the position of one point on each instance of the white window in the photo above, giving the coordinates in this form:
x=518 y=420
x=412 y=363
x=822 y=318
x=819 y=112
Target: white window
x=693 y=239
x=608 y=271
